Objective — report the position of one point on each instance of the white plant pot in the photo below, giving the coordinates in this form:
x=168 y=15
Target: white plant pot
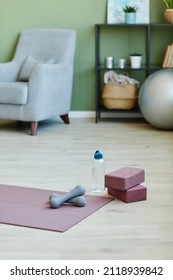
x=130 y=18
x=136 y=61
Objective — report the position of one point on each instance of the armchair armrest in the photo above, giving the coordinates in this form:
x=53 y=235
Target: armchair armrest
x=50 y=87
x=9 y=71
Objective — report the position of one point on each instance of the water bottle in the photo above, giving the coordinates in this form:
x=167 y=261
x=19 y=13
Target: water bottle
x=98 y=172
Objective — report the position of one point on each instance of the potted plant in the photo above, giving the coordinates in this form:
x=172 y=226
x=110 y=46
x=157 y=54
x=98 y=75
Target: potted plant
x=169 y=4
x=135 y=60
x=168 y=14
x=130 y=14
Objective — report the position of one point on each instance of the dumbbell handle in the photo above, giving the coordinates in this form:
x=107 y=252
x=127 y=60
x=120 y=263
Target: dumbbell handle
x=77 y=191
x=79 y=201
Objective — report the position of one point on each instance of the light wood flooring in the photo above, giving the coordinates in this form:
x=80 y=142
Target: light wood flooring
x=60 y=157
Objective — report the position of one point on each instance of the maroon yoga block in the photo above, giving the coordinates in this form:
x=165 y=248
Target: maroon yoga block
x=136 y=193
x=124 y=178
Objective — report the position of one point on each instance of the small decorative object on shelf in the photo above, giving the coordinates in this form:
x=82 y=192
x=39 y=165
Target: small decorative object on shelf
x=115 y=13
x=109 y=62
x=119 y=91
x=168 y=57
x=122 y=63
x=168 y=14
x=135 y=60
x=130 y=14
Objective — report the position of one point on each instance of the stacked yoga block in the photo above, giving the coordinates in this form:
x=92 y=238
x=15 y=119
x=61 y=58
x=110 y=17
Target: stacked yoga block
x=125 y=184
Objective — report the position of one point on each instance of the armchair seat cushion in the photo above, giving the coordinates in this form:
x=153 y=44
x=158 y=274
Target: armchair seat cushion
x=14 y=93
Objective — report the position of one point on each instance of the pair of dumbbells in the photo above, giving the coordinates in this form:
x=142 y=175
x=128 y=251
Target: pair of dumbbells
x=74 y=197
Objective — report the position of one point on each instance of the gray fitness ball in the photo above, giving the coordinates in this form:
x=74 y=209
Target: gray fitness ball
x=156 y=99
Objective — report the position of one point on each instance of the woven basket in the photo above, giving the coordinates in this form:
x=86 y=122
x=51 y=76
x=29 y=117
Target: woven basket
x=119 y=96
x=168 y=14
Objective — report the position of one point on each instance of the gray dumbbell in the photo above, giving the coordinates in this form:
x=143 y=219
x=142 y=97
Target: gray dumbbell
x=79 y=201
x=55 y=202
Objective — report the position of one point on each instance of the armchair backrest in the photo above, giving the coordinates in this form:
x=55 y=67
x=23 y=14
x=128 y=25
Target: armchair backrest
x=44 y=44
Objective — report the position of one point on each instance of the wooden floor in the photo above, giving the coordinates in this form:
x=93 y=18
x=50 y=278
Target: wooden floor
x=60 y=157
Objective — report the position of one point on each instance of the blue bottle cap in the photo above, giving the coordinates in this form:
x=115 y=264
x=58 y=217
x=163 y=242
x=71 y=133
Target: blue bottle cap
x=98 y=155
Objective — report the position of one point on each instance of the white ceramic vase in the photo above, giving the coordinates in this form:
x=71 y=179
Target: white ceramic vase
x=130 y=18
x=135 y=61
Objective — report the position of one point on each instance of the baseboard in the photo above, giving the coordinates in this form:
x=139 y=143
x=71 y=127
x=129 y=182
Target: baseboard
x=92 y=114
x=82 y=114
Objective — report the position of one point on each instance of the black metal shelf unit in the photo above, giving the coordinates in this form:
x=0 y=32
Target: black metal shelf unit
x=146 y=68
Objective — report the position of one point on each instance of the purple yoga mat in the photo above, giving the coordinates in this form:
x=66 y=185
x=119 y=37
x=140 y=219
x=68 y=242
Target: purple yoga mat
x=29 y=207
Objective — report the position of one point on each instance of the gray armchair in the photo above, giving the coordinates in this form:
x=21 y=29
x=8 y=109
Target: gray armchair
x=37 y=84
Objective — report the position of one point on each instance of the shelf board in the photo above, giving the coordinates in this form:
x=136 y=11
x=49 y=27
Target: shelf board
x=128 y=68
x=102 y=109
x=118 y=114
x=121 y=69
x=152 y=24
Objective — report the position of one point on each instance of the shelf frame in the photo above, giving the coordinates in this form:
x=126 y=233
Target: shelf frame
x=148 y=68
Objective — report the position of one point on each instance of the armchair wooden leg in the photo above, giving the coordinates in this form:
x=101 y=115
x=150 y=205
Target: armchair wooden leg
x=65 y=118
x=34 y=126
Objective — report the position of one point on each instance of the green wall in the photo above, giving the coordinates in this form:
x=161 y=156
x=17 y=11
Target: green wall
x=80 y=15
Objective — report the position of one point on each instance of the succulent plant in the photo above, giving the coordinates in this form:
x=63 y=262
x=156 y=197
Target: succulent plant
x=130 y=9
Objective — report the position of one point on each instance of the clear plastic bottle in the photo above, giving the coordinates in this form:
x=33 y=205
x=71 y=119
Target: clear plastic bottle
x=98 y=172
